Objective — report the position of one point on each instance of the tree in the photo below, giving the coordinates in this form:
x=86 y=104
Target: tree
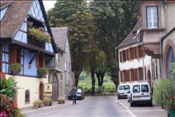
x=101 y=62
x=114 y=20
x=81 y=26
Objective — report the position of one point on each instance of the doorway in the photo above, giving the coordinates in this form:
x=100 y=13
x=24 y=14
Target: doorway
x=55 y=89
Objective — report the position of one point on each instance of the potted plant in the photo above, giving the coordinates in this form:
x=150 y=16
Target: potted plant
x=37 y=103
x=61 y=100
x=42 y=71
x=47 y=101
x=39 y=35
x=15 y=68
x=164 y=92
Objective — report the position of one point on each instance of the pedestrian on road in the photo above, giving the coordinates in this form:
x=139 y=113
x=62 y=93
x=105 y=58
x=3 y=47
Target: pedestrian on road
x=74 y=93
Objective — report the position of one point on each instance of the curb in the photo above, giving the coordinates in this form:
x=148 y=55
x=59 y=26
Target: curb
x=126 y=109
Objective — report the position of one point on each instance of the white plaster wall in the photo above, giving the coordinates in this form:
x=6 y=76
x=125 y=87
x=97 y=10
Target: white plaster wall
x=135 y=63
x=27 y=83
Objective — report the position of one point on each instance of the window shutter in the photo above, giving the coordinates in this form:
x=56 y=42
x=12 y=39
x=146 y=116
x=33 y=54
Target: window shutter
x=0 y=57
x=12 y=54
x=40 y=60
x=19 y=55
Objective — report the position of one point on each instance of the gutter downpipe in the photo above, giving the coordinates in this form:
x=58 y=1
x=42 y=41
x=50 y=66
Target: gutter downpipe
x=162 y=37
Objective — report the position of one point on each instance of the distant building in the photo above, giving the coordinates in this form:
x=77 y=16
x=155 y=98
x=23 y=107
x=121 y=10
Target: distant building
x=18 y=46
x=134 y=64
x=62 y=72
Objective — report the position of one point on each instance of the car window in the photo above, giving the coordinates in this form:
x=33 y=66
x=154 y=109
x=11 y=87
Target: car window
x=127 y=87
x=79 y=90
x=144 y=88
x=121 y=87
x=136 y=88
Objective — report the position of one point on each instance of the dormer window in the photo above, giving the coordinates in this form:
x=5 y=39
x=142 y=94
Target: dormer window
x=134 y=34
x=152 y=17
x=2 y=12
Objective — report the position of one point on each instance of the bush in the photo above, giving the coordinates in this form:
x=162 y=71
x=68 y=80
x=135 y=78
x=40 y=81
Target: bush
x=8 y=108
x=7 y=86
x=164 y=92
x=37 y=101
x=47 y=100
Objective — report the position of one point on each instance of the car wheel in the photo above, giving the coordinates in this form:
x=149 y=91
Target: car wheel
x=150 y=104
x=131 y=104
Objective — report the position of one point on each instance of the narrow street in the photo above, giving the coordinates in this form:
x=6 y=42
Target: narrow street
x=96 y=106
x=91 y=106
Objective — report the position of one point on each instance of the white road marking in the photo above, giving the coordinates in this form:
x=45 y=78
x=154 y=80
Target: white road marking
x=127 y=109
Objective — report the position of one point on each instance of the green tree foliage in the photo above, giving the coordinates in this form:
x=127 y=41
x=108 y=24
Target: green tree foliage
x=114 y=20
x=81 y=25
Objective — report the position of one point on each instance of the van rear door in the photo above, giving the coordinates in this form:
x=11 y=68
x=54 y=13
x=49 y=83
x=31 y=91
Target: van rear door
x=136 y=92
x=145 y=92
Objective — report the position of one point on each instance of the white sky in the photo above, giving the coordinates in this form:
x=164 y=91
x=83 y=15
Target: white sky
x=49 y=4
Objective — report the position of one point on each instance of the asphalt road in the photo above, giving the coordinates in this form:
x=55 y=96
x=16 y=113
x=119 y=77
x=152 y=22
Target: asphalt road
x=91 y=106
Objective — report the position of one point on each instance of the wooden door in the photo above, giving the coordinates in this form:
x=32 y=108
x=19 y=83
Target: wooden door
x=55 y=89
x=41 y=91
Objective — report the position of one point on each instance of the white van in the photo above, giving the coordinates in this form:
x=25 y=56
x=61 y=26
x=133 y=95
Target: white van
x=122 y=90
x=140 y=93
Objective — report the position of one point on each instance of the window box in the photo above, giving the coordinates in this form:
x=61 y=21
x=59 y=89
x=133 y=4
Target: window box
x=38 y=37
x=42 y=72
x=15 y=68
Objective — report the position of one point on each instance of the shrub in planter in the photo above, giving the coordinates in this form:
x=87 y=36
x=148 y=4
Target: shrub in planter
x=8 y=108
x=39 y=35
x=61 y=100
x=37 y=103
x=47 y=101
x=15 y=68
x=42 y=71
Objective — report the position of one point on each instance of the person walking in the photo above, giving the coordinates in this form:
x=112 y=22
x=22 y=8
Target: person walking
x=74 y=93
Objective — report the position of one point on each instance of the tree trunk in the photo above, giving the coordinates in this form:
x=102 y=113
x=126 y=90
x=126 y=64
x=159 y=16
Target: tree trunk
x=100 y=77
x=93 y=82
x=77 y=73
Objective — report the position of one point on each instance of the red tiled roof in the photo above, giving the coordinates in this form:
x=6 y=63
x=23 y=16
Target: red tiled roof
x=129 y=39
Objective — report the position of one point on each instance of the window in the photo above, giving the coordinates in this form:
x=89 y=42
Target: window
x=136 y=89
x=27 y=96
x=144 y=88
x=134 y=75
x=152 y=17
x=140 y=51
x=40 y=60
x=140 y=73
x=126 y=75
x=121 y=57
x=171 y=59
x=2 y=13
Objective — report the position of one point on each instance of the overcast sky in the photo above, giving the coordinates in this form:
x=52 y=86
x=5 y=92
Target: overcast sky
x=49 y=4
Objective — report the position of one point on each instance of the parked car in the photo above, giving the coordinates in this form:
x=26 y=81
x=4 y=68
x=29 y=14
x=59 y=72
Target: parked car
x=140 y=93
x=122 y=90
x=80 y=94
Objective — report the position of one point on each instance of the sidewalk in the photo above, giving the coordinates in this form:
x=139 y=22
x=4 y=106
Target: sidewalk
x=54 y=104
x=143 y=110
